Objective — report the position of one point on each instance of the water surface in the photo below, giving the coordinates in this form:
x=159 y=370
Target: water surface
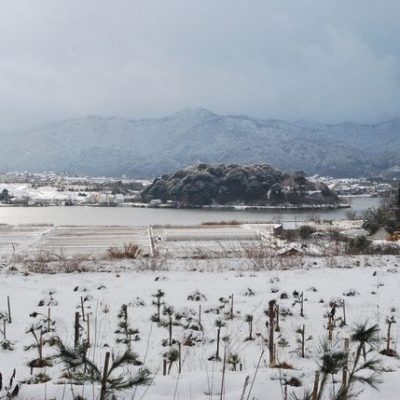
x=153 y=216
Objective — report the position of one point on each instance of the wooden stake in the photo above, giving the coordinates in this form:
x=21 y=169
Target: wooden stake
x=231 y=306
x=170 y=330
x=164 y=366
x=315 y=388
x=302 y=305
x=88 y=330
x=41 y=346
x=76 y=341
x=303 y=333
x=104 y=378
x=221 y=397
x=83 y=310
x=9 y=309
x=200 y=314
x=388 y=337
x=344 y=312
x=330 y=328
x=5 y=329
x=271 y=314
x=344 y=372
x=48 y=319
x=180 y=358
x=278 y=328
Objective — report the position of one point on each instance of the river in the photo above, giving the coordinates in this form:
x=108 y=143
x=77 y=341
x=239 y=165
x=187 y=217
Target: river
x=154 y=216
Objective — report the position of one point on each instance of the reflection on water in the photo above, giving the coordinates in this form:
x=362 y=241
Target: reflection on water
x=152 y=216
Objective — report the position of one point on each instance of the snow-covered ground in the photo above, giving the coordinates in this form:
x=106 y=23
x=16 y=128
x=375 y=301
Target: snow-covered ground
x=374 y=281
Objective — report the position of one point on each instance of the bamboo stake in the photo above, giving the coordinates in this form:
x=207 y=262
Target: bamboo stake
x=104 y=378
x=9 y=309
x=76 y=341
x=223 y=377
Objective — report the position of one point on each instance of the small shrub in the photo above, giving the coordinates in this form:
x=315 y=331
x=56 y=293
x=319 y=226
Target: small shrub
x=129 y=250
x=305 y=231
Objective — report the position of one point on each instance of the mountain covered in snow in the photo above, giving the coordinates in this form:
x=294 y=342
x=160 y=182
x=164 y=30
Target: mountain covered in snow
x=151 y=147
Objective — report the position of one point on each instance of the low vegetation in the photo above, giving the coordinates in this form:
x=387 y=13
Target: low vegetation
x=129 y=251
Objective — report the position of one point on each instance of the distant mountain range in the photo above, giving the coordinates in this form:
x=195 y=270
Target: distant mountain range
x=151 y=147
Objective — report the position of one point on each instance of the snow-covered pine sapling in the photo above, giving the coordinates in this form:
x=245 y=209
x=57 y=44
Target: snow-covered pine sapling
x=43 y=332
x=84 y=306
x=37 y=333
x=365 y=371
x=169 y=312
x=249 y=320
x=6 y=344
x=299 y=299
x=172 y=356
x=197 y=296
x=44 y=321
x=332 y=361
x=233 y=360
x=388 y=351
x=302 y=339
x=219 y=323
x=125 y=333
x=222 y=305
x=9 y=391
x=158 y=302
x=114 y=376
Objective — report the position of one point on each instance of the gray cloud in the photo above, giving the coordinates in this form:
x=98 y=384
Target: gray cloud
x=297 y=59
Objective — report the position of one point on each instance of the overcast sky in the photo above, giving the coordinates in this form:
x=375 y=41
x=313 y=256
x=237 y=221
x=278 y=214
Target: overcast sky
x=325 y=60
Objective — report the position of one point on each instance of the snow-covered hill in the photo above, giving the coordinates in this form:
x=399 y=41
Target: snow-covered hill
x=150 y=147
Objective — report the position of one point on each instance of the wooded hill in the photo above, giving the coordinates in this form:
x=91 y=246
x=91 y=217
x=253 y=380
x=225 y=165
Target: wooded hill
x=230 y=184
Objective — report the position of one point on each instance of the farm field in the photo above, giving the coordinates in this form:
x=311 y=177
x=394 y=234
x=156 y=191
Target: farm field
x=197 y=298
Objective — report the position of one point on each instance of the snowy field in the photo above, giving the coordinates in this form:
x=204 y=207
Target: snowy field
x=369 y=287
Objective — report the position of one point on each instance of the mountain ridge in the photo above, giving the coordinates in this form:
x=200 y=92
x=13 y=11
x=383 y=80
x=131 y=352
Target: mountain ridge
x=149 y=147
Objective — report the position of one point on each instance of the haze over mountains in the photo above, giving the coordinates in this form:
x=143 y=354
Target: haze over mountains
x=151 y=147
